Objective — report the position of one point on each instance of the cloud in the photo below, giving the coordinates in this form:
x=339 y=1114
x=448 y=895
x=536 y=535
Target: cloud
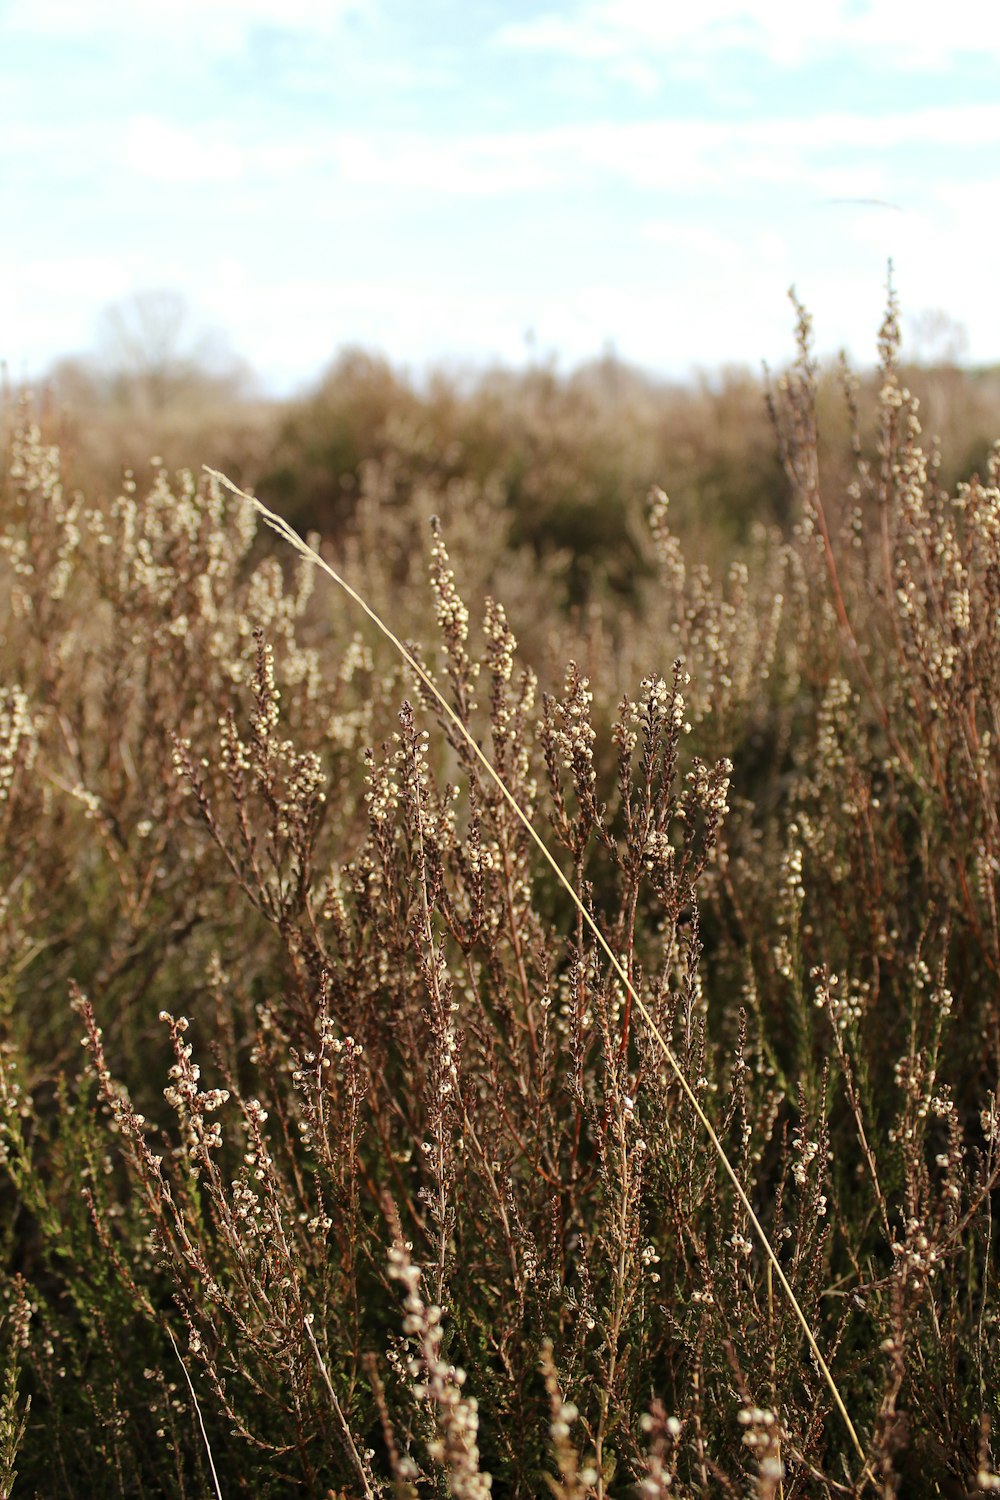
x=831 y=155
x=828 y=155
x=761 y=164
x=725 y=248
x=599 y=32
x=47 y=304
x=425 y=224
x=155 y=149
x=476 y=165
x=217 y=26
x=785 y=32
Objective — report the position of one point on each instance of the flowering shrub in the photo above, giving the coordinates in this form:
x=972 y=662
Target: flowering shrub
x=375 y=1175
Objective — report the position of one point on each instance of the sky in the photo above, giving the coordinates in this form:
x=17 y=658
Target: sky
x=472 y=181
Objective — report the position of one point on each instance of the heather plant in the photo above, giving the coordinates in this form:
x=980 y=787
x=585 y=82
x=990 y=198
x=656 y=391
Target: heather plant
x=405 y=1157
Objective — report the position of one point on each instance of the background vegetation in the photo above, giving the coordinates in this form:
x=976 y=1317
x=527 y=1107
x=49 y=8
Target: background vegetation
x=368 y=1178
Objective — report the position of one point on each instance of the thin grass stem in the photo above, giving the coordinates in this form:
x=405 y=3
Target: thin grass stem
x=201 y=1422
x=338 y=1410
x=278 y=524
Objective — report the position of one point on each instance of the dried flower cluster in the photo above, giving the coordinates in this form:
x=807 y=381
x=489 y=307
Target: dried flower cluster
x=371 y=1177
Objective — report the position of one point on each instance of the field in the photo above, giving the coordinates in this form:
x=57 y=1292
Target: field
x=353 y=1145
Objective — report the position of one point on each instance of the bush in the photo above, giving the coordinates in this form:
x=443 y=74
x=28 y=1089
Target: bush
x=375 y=1175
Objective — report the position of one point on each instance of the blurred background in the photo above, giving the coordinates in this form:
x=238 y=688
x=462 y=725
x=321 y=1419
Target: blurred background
x=547 y=242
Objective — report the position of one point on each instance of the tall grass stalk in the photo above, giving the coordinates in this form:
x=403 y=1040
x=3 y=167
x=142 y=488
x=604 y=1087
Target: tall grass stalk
x=278 y=524
x=201 y=1421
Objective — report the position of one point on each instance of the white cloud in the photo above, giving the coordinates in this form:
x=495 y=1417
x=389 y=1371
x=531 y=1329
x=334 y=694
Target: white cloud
x=155 y=149
x=811 y=159
x=601 y=31
x=786 y=32
x=726 y=248
x=47 y=305
x=831 y=155
x=675 y=237
x=290 y=327
x=216 y=26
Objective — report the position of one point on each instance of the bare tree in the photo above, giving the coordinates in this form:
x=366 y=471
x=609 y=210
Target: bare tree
x=153 y=353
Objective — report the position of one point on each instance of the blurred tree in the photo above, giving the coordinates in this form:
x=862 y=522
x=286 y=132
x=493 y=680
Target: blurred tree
x=936 y=338
x=152 y=353
x=156 y=381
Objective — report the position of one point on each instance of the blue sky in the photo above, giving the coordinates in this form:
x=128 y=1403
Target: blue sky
x=445 y=179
